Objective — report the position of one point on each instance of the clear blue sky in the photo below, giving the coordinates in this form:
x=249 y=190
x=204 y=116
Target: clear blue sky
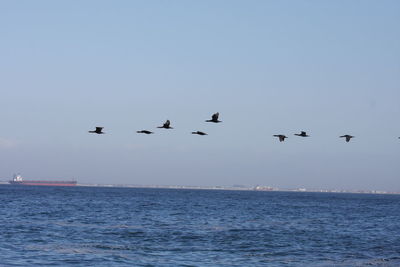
x=269 y=67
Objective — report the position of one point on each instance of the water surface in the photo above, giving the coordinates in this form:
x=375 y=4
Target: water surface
x=94 y=226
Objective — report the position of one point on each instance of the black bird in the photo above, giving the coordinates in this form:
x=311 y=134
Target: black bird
x=281 y=137
x=98 y=130
x=302 y=134
x=145 y=132
x=166 y=125
x=199 y=133
x=214 y=118
x=348 y=137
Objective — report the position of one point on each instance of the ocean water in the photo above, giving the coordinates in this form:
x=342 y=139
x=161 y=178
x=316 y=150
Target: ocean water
x=93 y=226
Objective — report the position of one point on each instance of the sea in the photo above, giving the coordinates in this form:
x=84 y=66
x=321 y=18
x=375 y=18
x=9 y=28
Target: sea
x=109 y=226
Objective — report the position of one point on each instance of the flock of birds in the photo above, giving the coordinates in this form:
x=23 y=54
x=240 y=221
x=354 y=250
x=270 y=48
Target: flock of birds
x=214 y=119
x=166 y=125
x=304 y=134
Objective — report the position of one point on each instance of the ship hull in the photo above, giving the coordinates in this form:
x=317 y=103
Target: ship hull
x=44 y=183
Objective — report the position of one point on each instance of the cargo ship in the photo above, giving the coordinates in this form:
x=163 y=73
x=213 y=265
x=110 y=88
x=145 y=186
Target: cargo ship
x=17 y=180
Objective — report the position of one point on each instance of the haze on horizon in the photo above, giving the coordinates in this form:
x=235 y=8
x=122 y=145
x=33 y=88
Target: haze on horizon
x=268 y=67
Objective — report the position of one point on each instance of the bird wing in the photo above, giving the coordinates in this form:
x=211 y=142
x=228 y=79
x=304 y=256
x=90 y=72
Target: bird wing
x=215 y=116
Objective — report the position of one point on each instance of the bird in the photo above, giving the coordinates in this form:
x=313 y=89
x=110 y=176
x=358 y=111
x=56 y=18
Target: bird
x=214 y=118
x=302 y=134
x=145 y=132
x=199 y=133
x=348 y=137
x=166 y=125
x=98 y=130
x=281 y=137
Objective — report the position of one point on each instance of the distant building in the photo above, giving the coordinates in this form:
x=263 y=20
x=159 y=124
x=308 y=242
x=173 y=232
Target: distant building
x=264 y=188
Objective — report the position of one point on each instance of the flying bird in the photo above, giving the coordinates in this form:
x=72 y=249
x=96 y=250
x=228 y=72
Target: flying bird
x=166 y=125
x=98 y=130
x=214 y=118
x=302 y=134
x=348 y=137
x=281 y=137
x=199 y=133
x=144 y=132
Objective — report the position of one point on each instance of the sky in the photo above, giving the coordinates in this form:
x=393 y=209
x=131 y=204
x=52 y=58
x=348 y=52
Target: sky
x=268 y=67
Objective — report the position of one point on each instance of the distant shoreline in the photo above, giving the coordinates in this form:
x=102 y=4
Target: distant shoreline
x=233 y=188
x=229 y=188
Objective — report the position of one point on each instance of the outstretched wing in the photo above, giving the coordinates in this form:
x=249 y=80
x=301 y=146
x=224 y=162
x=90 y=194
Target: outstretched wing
x=215 y=116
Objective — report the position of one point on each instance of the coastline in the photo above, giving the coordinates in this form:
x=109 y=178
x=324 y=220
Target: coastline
x=233 y=188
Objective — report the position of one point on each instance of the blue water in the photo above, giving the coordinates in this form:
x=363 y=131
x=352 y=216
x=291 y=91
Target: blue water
x=89 y=226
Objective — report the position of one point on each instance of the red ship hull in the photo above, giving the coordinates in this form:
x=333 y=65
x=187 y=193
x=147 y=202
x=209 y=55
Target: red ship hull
x=44 y=183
